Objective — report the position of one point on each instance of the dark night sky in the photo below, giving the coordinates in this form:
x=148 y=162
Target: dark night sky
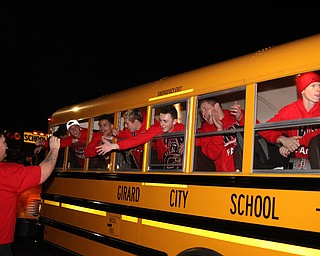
x=58 y=53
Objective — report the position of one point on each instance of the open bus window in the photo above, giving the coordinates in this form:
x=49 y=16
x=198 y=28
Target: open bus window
x=61 y=132
x=220 y=119
x=278 y=127
x=102 y=129
x=167 y=147
x=73 y=147
x=131 y=123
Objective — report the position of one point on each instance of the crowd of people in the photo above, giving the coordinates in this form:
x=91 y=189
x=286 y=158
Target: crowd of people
x=219 y=148
x=292 y=142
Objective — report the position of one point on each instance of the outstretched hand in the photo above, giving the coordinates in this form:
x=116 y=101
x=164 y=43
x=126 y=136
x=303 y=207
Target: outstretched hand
x=106 y=147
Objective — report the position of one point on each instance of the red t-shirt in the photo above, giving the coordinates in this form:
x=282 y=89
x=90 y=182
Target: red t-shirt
x=14 y=180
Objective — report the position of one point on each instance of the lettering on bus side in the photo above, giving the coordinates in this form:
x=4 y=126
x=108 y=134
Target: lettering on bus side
x=178 y=198
x=168 y=91
x=127 y=193
x=254 y=206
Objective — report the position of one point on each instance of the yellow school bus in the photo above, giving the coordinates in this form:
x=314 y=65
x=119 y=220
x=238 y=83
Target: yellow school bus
x=122 y=209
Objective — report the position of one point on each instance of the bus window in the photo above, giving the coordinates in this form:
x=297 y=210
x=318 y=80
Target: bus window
x=102 y=129
x=220 y=118
x=282 y=126
x=167 y=147
x=77 y=145
x=132 y=122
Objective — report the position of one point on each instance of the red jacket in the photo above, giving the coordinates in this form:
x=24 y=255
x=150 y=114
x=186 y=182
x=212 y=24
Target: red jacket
x=125 y=134
x=78 y=147
x=220 y=148
x=147 y=136
x=295 y=110
x=91 y=151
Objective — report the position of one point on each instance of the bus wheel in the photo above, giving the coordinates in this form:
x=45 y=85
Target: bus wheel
x=199 y=251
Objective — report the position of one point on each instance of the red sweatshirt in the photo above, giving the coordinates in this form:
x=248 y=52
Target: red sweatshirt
x=91 y=151
x=78 y=147
x=125 y=134
x=295 y=110
x=220 y=148
x=147 y=136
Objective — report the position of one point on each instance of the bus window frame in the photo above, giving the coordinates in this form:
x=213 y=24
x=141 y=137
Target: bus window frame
x=287 y=81
x=154 y=108
x=238 y=93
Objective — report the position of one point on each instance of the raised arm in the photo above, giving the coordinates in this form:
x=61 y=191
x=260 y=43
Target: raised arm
x=48 y=164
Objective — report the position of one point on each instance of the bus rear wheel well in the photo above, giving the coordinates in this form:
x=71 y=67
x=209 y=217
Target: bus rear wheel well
x=199 y=251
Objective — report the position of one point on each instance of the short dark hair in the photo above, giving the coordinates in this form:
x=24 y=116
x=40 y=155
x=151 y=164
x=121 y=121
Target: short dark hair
x=211 y=100
x=108 y=117
x=169 y=110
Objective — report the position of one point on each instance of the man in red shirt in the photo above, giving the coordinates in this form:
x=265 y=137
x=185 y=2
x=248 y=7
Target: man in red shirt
x=98 y=138
x=168 y=122
x=219 y=148
x=76 y=141
x=296 y=139
x=14 y=180
x=135 y=124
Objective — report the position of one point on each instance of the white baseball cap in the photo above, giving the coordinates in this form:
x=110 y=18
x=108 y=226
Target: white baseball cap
x=72 y=122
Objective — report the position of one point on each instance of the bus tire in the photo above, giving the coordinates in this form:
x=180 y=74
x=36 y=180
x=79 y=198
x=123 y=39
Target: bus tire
x=199 y=251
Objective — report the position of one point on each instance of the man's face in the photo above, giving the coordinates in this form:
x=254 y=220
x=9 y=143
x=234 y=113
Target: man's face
x=105 y=127
x=132 y=126
x=312 y=92
x=167 y=122
x=207 y=110
x=75 y=131
x=3 y=148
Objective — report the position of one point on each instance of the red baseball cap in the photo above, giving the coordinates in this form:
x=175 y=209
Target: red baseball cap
x=303 y=80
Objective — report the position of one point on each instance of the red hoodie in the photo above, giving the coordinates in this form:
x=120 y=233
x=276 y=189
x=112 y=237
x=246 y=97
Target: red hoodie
x=220 y=148
x=126 y=134
x=91 y=151
x=295 y=110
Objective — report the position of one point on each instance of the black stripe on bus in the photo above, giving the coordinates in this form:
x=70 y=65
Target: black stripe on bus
x=270 y=233
x=58 y=250
x=103 y=239
x=240 y=181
